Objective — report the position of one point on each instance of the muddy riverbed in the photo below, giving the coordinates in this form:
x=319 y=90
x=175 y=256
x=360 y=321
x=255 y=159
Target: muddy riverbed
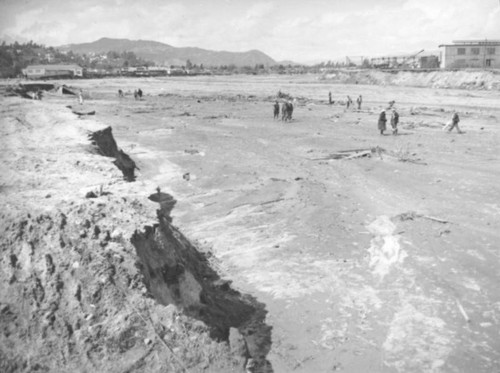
x=384 y=260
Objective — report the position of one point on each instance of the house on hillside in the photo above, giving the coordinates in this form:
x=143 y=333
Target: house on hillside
x=52 y=71
x=471 y=53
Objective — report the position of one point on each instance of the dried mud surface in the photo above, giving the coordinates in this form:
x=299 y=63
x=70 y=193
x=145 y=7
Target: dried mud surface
x=383 y=263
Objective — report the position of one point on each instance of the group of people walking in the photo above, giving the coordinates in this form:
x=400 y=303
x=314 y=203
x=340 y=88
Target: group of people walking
x=286 y=110
x=382 y=120
x=137 y=94
x=349 y=101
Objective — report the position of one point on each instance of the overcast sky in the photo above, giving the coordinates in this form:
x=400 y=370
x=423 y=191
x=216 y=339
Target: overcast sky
x=298 y=30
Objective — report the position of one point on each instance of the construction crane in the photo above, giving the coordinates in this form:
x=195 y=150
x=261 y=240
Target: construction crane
x=350 y=60
x=412 y=57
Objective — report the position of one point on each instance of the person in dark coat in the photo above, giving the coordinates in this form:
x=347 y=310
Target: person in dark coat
x=394 y=121
x=454 y=123
x=382 y=120
x=287 y=111
x=276 y=110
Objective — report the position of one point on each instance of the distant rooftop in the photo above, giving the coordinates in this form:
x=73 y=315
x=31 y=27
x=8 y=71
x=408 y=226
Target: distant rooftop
x=53 y=67
x=472 y=42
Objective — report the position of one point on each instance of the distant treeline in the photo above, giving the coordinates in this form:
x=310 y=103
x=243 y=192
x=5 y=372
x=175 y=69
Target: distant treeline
x=17 y=56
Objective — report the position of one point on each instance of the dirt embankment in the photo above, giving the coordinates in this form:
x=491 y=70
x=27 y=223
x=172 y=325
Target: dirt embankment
x=92 y=280
x=476 y=79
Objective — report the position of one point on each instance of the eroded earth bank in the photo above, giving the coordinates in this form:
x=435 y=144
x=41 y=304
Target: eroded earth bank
x=95 y=278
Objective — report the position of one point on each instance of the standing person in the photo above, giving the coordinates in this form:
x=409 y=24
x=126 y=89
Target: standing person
x=80 y=97
x=454 y=122
x=276 y=109
x=381 y=122
x=330 y=97
x=349 y=102
x=139 y=93
x=359 y=100
x=284 y=111
x=394 y=121
x=290 y=109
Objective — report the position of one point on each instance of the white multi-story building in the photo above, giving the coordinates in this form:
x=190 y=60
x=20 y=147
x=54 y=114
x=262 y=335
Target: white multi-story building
x=471 y=54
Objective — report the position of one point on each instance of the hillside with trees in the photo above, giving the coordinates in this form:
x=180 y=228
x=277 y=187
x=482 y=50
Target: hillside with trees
x=17 y=56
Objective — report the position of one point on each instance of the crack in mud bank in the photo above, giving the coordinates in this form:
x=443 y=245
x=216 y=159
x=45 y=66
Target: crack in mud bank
x=175 y=272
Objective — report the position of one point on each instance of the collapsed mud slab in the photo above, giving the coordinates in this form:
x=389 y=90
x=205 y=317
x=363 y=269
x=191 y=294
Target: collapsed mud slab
x=80 y=290
x=107 y=147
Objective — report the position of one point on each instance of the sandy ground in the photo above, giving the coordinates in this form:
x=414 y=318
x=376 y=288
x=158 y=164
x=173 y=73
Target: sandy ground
x=385 y=263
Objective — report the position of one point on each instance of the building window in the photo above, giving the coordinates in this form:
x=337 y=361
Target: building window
x=490 y=50
x=474 y=51
x=460 y=51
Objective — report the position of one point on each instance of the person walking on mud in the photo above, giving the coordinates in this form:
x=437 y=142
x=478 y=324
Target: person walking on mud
x=330 y=97
x=290 y=108
x=276 y=109
x=382 y=120
x=359 y=101
x=394 y=121
x=454 y=123
x=349 y=102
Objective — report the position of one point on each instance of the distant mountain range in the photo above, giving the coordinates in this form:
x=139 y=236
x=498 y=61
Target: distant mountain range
x=164 y=54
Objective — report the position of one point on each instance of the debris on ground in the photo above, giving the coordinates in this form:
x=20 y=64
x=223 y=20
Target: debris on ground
x=401 y=155
x=83 y=113
x=351 y=154
x=412 y=215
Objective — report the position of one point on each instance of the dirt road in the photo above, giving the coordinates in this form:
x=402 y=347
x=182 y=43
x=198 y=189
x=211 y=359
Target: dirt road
x=382 y=263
